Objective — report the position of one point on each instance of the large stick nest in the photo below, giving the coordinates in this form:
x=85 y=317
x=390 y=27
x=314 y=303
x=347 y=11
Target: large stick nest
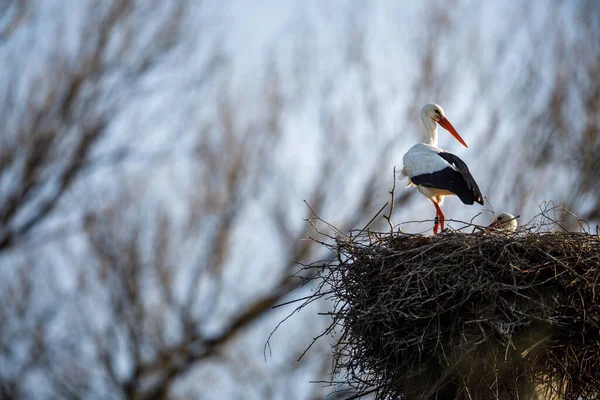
x=482 y=315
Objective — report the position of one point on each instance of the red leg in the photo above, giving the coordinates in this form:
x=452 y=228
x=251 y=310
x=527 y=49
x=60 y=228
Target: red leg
x=437 y=220
x=441 y=215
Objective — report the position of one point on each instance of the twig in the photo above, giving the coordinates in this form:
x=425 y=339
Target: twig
x=389 y=216
x=372 y=219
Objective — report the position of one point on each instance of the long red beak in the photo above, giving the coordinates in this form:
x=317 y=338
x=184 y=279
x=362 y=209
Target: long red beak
x=448 y=126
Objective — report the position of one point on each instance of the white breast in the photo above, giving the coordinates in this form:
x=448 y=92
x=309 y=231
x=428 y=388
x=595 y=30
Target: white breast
x=423 y=159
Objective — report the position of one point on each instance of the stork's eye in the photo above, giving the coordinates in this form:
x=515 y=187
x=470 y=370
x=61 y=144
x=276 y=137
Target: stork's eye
x=499 y=218
x=437 y=112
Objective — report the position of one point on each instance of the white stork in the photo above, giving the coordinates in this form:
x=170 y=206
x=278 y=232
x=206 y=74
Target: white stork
x=505 y=221
x=435 y=172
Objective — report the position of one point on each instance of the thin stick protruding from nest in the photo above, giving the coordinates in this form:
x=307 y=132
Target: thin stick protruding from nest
x=389 y=216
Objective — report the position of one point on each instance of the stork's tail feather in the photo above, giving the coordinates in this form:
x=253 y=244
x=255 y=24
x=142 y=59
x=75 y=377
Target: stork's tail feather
x=405 y=174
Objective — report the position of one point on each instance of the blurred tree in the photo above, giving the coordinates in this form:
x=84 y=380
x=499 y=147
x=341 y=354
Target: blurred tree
x=110 y=287
x=541 y=94
x=152 y=178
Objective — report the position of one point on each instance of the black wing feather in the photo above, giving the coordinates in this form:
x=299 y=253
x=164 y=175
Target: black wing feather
x=459 y=181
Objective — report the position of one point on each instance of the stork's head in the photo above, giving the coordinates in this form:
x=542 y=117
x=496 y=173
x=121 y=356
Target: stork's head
x=505 y=221
x=436 y=113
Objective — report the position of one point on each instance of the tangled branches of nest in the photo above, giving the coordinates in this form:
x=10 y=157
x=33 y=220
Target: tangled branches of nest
x=478 y=315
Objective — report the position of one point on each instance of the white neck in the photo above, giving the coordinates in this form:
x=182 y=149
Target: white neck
x=431 y=130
